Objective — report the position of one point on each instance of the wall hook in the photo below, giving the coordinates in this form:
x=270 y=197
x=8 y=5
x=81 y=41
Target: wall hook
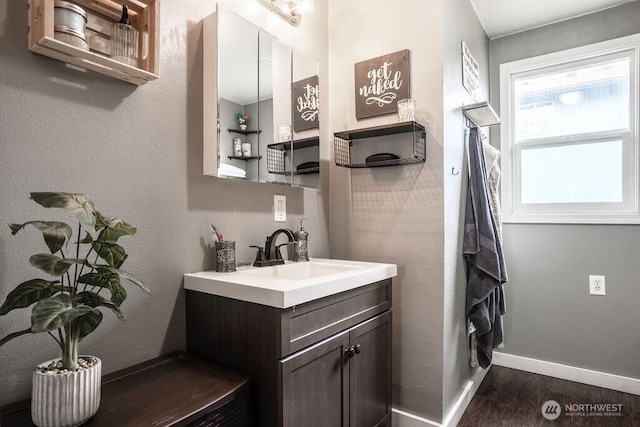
x=453 y=172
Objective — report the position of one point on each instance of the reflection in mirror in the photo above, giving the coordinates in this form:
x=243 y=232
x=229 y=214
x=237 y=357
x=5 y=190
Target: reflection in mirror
x=265 y=97
x=238 y=151
x=305 y=103
x=275 y=109
x=247 y=80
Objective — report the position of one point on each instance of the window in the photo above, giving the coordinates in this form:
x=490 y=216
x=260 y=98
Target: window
x=569 y=135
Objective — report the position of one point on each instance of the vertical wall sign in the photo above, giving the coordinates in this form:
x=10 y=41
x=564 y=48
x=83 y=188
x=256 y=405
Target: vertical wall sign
x=306 y=104
x=380 y=83
x=470 y=72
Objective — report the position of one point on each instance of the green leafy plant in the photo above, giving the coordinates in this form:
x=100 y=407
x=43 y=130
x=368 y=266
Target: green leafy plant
x=242 y=118
x=70 y=303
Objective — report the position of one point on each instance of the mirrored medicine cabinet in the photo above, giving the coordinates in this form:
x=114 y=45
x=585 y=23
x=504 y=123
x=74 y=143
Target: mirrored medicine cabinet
x=260 y=105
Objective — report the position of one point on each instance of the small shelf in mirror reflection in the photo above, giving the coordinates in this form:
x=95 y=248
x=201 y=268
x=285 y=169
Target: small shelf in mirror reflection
x=246 y=158
x=244 y=132
x=286 y=184
x=278 y=152
x=313 y=141
x=307 y=171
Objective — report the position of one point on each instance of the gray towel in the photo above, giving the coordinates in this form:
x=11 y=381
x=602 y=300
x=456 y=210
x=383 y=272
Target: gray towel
x=482 y=251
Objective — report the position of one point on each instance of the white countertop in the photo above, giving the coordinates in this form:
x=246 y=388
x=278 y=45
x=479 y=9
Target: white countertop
x=284 y=286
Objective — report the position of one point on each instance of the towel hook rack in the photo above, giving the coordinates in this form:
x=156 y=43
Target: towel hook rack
x=480 y=115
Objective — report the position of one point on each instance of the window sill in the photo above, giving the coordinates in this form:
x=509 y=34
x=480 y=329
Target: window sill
x=570 y=219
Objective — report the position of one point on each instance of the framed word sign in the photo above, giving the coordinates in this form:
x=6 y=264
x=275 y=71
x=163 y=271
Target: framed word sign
x=306 y=104
x=470 y=71
x=380 y=83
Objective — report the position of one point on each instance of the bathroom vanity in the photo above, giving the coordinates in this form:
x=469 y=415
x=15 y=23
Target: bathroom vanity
x=315 y=338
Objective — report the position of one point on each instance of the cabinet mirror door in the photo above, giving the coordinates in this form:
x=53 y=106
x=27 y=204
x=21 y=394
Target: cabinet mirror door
x=237 y=97
x=305 y=102
x=248 y=105
x=275 y=109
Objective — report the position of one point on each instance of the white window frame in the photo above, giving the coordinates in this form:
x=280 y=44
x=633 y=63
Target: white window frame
x=627 y=212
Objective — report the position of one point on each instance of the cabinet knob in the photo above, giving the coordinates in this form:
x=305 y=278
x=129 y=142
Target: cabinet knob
x=350 y=352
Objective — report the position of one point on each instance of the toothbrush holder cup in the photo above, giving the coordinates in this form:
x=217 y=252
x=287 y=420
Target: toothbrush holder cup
x=226 y=256
x=300 y=253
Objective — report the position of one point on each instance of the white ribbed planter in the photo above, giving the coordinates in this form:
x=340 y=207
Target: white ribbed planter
x=65 y=400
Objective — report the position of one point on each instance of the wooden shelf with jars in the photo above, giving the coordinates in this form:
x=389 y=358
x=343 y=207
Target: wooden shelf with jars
x=144 y=15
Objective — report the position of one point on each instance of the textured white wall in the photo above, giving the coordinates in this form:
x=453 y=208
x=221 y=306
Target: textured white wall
x=395 y=214
x=137 y=152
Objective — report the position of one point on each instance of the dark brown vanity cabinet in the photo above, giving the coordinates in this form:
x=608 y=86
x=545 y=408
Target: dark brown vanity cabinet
x=350 y=377
x=323 y=363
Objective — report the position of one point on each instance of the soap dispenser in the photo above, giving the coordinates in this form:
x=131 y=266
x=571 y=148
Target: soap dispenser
x=300 y=252
x=124 y=40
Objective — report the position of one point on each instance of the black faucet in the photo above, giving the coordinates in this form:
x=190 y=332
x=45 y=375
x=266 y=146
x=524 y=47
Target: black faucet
x=271 y=251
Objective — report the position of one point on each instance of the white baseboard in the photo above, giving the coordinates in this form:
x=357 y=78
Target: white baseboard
x=567 y=372
x=457 y=410
x=557 y=370
x=405 y=419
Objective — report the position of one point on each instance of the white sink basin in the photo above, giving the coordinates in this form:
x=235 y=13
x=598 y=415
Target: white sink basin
x=301 y=270
x=290 y=284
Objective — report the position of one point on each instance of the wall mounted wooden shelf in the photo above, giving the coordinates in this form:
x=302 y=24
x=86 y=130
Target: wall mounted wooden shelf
x=343 y=142
x=144 y=16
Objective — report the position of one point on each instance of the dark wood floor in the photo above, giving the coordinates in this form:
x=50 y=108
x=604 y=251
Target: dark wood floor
x=512 y=398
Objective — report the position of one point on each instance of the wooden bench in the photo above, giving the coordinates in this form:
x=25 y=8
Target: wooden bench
x=172 y=390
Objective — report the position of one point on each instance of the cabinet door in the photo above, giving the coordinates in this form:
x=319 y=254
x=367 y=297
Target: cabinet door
x=370 y=373
x=315 y=385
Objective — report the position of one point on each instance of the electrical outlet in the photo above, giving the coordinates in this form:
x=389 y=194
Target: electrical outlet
x=279 y=208
x=596 y=285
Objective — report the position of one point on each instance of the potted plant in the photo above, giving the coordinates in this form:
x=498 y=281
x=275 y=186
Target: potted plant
x=66 y=391
x=242 y=120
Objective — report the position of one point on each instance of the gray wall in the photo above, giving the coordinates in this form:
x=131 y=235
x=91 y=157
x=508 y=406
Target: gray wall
x=137 y=151
x=396 y=214
x=550 y=314
x=412 y=215
x=459 y=24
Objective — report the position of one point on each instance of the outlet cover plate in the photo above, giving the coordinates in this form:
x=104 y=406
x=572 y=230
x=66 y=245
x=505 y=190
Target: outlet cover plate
x=279 y=208
x=597 y=285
